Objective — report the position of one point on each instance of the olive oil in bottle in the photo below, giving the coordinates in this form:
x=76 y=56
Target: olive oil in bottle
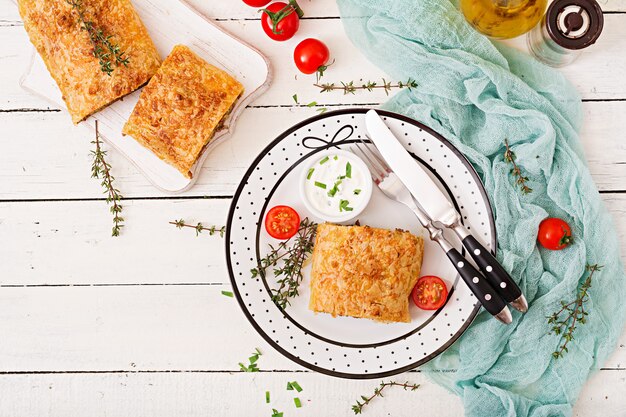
x=503 y=19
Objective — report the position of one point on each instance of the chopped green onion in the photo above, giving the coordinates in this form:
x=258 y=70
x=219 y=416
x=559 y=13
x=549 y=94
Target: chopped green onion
x=289 y=386
x=323 y=161
x=308 y=176
x=357 y=191
x=276 y=413
x=297 y=402
x=227 y=293
x=312 y=104
x=267 y=397
x=321 y=110
x=343 y=206
x=295 y=98
x=320 y=184
x=258 y=352
x=348 y=170
x=335 y=157
x=334 y=190
x=296 y=386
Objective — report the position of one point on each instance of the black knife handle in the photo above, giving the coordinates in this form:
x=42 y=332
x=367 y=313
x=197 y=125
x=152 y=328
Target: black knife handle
x=477 y=283
x=493 y=271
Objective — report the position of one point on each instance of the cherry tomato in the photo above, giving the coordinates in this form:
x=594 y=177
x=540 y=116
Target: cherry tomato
x=554 y=234
x=430 y=293
x=311 y=55
x=256 y=3
x=282 y=222
x=280 y=21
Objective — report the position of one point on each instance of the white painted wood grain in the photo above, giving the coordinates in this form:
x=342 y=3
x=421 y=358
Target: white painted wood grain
x=600 y=73
x=201 y=394
x=51 y=159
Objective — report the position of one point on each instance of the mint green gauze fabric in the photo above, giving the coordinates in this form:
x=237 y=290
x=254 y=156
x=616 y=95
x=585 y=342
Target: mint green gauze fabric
x=477 y=94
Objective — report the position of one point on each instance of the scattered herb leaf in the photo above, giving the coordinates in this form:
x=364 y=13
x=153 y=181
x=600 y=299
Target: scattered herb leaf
x=348 y=170
x=296 y=386
x=295 y=98
x=324 y=160
x=101 y=169
x=357 y=191
x=308 y=176
x=252 y=362
x=276 y=413
x=574 y=314
x=267 y=397
x=312 y=104
x=289 y=386
x=228 y=294
x=320 y=184
x=297 y=402
x=378 y=392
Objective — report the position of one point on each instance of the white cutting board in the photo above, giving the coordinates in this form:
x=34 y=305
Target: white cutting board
x=169 y=22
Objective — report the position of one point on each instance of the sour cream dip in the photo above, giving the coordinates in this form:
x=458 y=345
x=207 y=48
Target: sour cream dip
x=335 y=186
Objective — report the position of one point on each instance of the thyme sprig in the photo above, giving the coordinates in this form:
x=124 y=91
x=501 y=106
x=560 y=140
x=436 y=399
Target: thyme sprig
x=107 y=52
x=574 y=314
x=199 y=227
x=289 y=272
x=520 y=179
x=101 y=169
x=350 y=87
x=378 y=392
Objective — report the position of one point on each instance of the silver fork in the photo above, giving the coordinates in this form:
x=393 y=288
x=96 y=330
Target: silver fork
x=389 y=183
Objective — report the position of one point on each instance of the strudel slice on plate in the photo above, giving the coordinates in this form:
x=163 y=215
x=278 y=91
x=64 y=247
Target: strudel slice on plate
x=182 y=108
x=364 y=272
x=59 y=32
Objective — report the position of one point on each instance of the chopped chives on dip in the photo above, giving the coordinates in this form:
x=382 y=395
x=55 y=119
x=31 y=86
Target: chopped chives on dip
x=267 y=397
x=334 y=184
x=296 y=386
x=297 y=402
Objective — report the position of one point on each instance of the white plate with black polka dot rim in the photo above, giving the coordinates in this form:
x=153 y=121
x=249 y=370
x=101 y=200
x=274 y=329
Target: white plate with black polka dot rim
x=344 y=346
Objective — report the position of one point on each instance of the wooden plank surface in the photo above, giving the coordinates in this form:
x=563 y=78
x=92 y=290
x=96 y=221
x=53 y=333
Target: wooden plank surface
x=137 y=326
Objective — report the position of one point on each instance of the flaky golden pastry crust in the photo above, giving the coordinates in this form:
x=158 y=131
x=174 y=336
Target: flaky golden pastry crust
x=182 y=107
x=364 y=272
x=54 y=28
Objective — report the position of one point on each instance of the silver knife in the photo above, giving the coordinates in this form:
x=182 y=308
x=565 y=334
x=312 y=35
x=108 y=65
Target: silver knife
x=435 y=204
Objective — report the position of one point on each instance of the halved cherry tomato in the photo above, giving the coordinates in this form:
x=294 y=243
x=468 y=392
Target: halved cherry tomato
x=256 y=3
x=280 y=21
x=430 y=293
x=282 y=222
x=311 y=55
x=554 y=234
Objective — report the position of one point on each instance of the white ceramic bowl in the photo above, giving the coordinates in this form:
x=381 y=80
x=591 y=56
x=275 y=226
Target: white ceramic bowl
x=366 y=191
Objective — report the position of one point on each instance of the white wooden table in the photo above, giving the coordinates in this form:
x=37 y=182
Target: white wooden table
x=137 y=326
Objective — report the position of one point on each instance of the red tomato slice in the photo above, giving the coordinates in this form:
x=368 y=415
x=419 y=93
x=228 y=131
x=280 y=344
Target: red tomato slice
x=282 y=222
x=430 y=293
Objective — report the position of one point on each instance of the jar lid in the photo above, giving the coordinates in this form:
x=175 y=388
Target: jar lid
x=574 y=24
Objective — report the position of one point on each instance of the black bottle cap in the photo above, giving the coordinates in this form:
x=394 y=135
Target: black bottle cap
x=574 y=24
